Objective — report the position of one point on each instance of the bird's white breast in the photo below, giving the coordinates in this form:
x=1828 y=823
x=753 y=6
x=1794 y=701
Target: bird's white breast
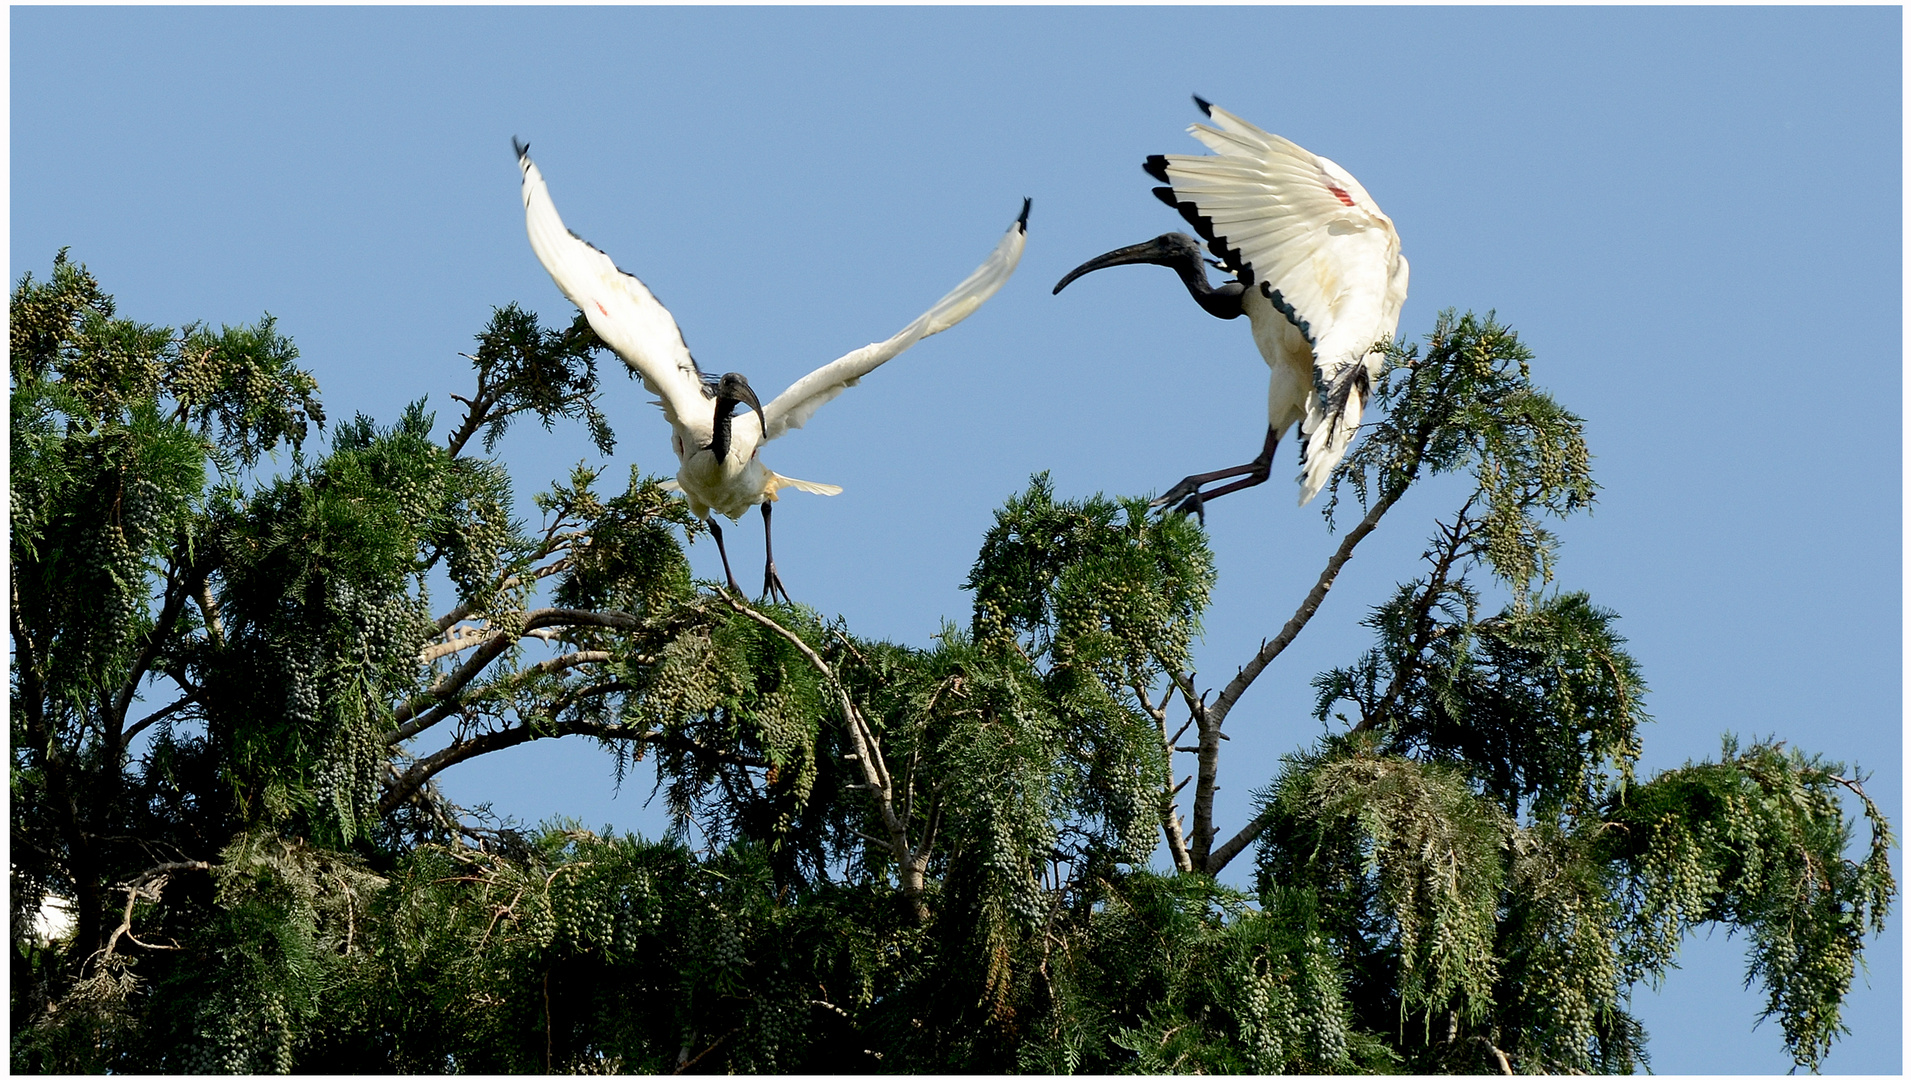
x=730 y=486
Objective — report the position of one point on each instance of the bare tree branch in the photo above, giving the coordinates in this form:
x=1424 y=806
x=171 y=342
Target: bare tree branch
x=1209 y=718
x=1231 y=693
x=1388 y=494
x=458 y=614
x=131 y=733
x=453 y=617
x=209 y=608
x=146 y=886
x=402 y=787
x=457 y=640
x=441 y=700
x=1223 y=855
x=1170 y=816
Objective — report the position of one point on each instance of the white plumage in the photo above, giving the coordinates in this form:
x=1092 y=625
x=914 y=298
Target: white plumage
x=1318 y=273
x=719 y=469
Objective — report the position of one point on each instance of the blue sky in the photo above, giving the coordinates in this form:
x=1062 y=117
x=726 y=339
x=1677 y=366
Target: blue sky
x=1692 y=215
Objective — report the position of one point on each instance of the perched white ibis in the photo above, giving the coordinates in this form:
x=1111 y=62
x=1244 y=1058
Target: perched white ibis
x=1317 y=271
x=719 y=470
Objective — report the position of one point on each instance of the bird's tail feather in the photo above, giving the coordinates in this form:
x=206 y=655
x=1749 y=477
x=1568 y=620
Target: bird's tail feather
x=778 y=481
x=1330 y=426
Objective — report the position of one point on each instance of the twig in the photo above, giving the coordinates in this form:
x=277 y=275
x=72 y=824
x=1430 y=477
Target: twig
x=1170 y=817
x=146 y=886
x=156 y=636
x=126 y=738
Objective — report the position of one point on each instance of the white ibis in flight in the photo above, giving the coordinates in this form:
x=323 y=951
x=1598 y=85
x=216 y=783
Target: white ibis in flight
x=1317 y=271
x=719 y=470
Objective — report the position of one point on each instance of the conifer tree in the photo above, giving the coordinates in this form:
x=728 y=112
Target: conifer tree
x=245 y=649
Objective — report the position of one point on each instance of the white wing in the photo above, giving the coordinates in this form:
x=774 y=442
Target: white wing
x=619 y=307
x=793 y=407
x=1301 y=227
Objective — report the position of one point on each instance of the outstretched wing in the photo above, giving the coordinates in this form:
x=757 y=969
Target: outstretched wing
x=793 y=407
x=619 y=307
x=1298 y=227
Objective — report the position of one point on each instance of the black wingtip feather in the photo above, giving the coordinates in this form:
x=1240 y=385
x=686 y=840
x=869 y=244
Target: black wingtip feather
x=1207 y=108
x=1216 y=243
x=1157 y=167
x=523 y=148
x=1022 y=222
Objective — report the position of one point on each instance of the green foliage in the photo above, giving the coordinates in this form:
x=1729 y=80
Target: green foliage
x=633 y=561
x=238 y=386
x=1469 y=404
x=1540 y=703
x=1199 y=981
x=232 y=695
x=1105 y=600
x=1420 y=854
x=1757 y=841
x=322 y=627
x=1100 y=582
x=523 y=367
x=286 y=916
x=117 y=429
x=587 y=954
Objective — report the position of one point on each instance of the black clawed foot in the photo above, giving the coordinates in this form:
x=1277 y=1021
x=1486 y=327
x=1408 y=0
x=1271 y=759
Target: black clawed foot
x=1188 y=488
x=1195 y=505
x=1187 y=496
x=772 y=585
x=1187 y=499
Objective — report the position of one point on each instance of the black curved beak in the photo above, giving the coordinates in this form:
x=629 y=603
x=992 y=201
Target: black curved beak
x=1168 y=249
x=748 y=397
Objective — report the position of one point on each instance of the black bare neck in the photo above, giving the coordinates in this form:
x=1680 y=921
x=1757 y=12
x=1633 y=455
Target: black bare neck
x=1222 y=303
x=720 y=429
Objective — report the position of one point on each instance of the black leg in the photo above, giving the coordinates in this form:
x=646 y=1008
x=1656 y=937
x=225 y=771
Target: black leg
x=771 y=583
x=1188 y=496
x=721 y=554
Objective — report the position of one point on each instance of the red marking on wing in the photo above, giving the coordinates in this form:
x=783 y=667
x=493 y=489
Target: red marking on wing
x=1345 y=199
x=600 y=305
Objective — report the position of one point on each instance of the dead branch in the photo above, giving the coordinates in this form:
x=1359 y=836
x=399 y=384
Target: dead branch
x=146 y=886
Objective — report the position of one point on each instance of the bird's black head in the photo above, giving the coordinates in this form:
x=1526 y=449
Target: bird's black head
x=734 y=389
